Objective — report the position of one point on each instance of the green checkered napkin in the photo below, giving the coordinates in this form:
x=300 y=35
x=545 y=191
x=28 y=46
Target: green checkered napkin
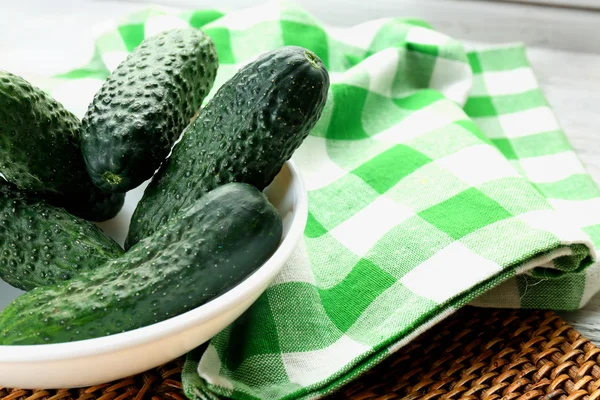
x=436 y=178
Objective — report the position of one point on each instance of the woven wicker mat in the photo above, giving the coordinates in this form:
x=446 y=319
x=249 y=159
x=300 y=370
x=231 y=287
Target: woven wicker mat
x=475 y=354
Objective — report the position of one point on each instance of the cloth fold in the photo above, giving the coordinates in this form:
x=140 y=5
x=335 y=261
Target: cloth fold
x=436 y=177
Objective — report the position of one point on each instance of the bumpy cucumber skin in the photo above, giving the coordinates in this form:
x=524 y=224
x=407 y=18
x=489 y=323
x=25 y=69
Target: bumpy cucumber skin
x=41 y=244
x=221 y=239
x=40 y=151
x=143 y=107
x=244 y=134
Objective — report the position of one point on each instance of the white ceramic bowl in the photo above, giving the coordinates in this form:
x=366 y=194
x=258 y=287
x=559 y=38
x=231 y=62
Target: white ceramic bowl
x=96 y=361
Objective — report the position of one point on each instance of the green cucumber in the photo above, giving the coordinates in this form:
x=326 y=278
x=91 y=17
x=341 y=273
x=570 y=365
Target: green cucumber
x=143 y=107
x=41 y=244
x=244 y=134
x=40 y=151
x=219 y=241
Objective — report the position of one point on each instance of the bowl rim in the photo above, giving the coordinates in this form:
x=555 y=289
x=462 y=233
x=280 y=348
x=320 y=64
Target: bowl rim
x=171 y=326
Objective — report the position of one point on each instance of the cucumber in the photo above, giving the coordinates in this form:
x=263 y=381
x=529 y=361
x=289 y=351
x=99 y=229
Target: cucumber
x=92 y=204
x=41 y=244
x=218 y=242
x=40 y=151
x=244 y=134
x=143 y=107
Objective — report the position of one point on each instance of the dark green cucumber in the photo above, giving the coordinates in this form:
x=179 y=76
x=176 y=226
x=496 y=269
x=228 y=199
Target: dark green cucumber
x=143 y=107
x=218 y=242
x=40 y=151
x=92 y=204
x=244 y=134
x=41 y=244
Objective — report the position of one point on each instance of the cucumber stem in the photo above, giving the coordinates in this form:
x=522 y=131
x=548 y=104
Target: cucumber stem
x=112 y=178
x=312 y=59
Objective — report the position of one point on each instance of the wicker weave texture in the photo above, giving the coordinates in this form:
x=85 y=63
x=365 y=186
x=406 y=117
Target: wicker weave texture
x=476 y=354
x=160 y=383
x=487 y=355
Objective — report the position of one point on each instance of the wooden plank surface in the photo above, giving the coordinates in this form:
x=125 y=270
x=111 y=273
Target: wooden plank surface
x=563 y=47
x=486 y=21
x=582 y=4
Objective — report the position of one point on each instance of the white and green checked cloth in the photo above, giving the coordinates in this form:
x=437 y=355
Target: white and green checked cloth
x=437 y=177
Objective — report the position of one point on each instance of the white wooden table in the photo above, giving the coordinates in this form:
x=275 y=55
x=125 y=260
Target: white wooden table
x=563 y=46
